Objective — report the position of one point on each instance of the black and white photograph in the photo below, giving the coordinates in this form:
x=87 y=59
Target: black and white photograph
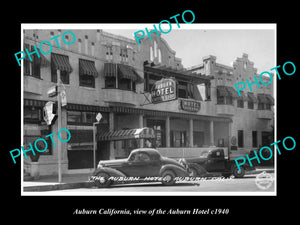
x=144 y=115
x=143 y=112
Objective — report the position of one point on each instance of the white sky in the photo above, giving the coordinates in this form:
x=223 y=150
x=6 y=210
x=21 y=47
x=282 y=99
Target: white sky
x=227 y=42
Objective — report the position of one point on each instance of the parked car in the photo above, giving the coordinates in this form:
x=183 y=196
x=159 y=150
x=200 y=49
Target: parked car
x=141 y=163
x=213 y=162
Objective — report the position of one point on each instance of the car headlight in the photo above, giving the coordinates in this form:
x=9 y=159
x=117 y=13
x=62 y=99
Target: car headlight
x=183 y=163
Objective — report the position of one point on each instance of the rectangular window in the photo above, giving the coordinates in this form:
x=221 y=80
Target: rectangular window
x=240 y=138
x=250 y=105
x=32 y=68
x=64 y=76
x=110 y=82
x=124 y=55
x=87 y=81
x=109 y=53
x=261 y=106
x=240 y=103
x=254 y=138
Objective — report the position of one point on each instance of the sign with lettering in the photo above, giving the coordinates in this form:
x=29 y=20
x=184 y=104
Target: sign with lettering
x=189 y=105
x=164 y=90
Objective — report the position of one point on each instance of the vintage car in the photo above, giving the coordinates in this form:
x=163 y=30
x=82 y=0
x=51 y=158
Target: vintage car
x=142 y=163
x=214 y=162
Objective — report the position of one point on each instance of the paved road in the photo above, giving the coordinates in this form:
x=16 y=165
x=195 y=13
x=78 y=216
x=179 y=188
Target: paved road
x=237 y=186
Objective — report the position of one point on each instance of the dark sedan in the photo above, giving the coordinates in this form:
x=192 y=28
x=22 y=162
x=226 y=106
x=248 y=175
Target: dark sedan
x=142 y=164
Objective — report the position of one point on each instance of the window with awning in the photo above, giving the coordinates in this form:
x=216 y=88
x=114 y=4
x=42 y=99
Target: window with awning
x=60 y=62
x=87 y=73
x=87 y=67
x=265 y=101
x=122 y=71
x=251 y=97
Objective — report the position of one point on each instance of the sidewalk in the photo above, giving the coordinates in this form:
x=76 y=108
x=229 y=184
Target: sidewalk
x=73 y=181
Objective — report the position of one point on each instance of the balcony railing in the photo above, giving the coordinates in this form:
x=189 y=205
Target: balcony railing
x=227 y=110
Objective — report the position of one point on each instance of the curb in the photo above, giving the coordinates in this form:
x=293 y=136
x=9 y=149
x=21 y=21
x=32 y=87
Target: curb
x=88 y=184
x=53 y=187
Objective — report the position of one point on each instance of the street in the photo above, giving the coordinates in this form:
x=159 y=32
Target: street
x=246 y=184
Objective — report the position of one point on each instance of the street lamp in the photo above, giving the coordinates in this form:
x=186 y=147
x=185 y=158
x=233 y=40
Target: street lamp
x=98 y=118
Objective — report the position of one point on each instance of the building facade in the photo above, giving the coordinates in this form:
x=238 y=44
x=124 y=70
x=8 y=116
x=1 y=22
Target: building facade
x=111 y=74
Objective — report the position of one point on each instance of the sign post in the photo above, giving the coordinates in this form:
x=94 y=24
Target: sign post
x=59 y=126
x=98 y=118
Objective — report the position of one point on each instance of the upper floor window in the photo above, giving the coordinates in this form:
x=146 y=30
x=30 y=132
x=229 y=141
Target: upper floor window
x=124 y=55
x=32 y=68
x=109 y=53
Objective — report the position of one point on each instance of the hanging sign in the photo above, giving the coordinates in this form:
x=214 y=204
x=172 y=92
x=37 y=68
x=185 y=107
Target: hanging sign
x=164 y=90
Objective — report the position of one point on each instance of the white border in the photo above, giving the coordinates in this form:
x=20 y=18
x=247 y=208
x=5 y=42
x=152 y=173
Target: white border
x=193 y=26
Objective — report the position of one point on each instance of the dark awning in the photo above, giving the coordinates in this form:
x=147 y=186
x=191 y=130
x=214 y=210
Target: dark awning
x=110 y=69
x=232 y=91
x=251 y=97
x=137 y=133
x=124 y=71
x=227 y=91
x=263 y=99
x=61 y=62
x=270 y=99
x=129 y=73
x=243 y=96
x=87 y=67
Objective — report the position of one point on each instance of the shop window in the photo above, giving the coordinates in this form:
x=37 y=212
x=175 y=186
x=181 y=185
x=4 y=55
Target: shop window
x=35 y=129
x=178 y=139
x=240 y=138
x=32 y=114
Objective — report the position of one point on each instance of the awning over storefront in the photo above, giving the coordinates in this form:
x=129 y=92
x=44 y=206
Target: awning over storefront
x=265 y=98
x=124 y=71
x=87 y=67
x=60 y=62
x=227 y=91
x=252 y=98
x=138 y=133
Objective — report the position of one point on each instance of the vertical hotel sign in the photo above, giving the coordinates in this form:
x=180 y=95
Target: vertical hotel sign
x=164 y=90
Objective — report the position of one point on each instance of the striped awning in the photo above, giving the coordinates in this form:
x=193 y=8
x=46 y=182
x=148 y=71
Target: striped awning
x=87 y=67
x=137 y=133
x=123 y=71
x=60 y=62
x=129 y=73
x=227 y=91
x=251 y=97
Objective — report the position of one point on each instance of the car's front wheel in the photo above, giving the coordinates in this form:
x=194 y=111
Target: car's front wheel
x=238 y=173
x=168 y=177
x=102 y=180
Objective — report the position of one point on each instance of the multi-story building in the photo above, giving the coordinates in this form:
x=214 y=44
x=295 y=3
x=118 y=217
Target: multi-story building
x=111 y=74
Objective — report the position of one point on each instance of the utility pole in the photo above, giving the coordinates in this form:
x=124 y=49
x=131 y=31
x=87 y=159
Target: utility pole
x=59 y=126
